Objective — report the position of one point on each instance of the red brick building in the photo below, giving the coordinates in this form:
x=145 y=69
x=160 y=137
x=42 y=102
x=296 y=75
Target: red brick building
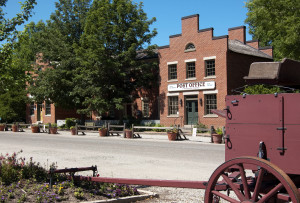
x=197 y=70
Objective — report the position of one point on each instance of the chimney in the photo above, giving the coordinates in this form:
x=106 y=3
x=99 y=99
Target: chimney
x=238 y=33
x=190 y=24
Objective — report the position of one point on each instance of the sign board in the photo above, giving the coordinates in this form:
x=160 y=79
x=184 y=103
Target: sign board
x=194 y=132
x=61 y=122
x=207 y=85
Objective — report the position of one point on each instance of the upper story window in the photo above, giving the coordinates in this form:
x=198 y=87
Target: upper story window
x=190 y=70
x=190 y=47
x=210 y=68
x=172 y=69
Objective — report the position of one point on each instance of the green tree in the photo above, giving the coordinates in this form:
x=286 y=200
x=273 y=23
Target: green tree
x=57 y=42
x=115 y=32
x=12 y=70
x=276 y=23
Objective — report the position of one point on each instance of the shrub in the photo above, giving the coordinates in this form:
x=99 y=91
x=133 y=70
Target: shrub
x=158 y=130
x=201 y=125
x=70 y=122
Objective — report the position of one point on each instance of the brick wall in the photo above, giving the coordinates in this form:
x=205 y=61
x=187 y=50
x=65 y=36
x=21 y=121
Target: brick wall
x=206 y=46
x=230 y=68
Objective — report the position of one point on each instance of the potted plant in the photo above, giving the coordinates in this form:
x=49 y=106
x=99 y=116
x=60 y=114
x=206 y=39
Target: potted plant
x=128 y=133
x=53 y=128
x=15 y=128
x=102 y=131
x=2 y=127
x=217 y=136
x=35 y=128
x=172 y=134
x=73 y=130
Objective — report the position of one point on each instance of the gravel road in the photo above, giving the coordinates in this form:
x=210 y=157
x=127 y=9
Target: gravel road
x=152 y=157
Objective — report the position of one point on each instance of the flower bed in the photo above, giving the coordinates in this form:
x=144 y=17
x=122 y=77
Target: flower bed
x=22 y=181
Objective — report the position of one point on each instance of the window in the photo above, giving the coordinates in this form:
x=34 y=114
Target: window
x=145 y=108
x=111 y=113
x=190 y=70
x=190 y=47
x=32 y=109
x=209 y=68
x=172 y=72
x=172 y=105
x=210 y=103
x=48 y=108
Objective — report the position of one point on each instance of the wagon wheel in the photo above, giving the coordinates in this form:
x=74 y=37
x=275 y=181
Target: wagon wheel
x=232 y=183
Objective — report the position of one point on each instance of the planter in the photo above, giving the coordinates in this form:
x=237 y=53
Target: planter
x=34 y=129
x=73 y=131
x=103 y=132
x=53 y=130
x=172 y=136
x=128 y=133
x=14 y=128
x=217 y=139
x=2 y=127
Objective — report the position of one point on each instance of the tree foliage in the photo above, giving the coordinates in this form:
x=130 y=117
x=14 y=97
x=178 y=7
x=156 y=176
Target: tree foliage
x=276 y=23
x=12 y=68
x=93 y=50
x=57 y=42
x=115 y=30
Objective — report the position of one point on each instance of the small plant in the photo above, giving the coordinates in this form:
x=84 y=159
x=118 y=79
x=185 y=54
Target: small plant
x=174 y=130
x=53 y=125
x=70 y=122
x=79 y=193
x=219 y=131
x=102 y=128
x=72 y=127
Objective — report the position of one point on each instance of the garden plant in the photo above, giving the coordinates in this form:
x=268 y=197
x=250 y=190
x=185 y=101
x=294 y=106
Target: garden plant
x=28 y=181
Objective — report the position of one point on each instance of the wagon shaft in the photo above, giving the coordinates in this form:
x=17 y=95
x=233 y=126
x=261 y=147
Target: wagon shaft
x=148 y=182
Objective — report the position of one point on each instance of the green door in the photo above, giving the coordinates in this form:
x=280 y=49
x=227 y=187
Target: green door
x=192 y=112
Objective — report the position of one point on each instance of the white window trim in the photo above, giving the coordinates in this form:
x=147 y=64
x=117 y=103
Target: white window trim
x=172 y=63
x=209 y=58
x=191 y=79
x=172 y=94
x=173 y=80
x=210 y=77
x=191 y=93
x=190 y=60
x=211 y=92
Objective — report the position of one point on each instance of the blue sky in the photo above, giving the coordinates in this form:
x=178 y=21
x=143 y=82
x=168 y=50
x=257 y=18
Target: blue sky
x=219 y=14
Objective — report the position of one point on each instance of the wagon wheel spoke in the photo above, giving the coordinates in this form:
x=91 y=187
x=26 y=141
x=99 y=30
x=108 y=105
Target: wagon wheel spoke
x=244 y=181
x=271 y=193
x=233 y=187
x=225 y=197
x=280 y=180
x=258 y=184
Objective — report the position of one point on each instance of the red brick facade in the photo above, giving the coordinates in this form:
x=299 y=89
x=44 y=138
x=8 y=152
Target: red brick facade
x=231 y=64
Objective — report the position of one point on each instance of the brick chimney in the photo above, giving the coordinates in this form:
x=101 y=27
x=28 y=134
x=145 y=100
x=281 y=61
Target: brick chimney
x=190 y=24
x=238 y=33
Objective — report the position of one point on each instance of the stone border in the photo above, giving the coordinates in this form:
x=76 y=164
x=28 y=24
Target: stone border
x=144 y=195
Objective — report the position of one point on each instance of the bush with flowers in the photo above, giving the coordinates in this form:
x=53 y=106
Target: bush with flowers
x=22 y=181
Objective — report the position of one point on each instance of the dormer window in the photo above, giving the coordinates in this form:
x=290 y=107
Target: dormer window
x=190 y=47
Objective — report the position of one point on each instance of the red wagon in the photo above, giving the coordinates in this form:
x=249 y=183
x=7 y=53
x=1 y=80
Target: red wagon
x=261 y=150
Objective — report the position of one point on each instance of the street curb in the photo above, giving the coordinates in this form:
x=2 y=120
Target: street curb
x=145 y=195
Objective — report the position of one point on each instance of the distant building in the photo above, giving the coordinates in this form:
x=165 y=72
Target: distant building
x=197 y=71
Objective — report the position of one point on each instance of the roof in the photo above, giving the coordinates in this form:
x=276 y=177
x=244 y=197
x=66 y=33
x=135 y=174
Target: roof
x=144 y=54
x=239 y=47
x=286 y=72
